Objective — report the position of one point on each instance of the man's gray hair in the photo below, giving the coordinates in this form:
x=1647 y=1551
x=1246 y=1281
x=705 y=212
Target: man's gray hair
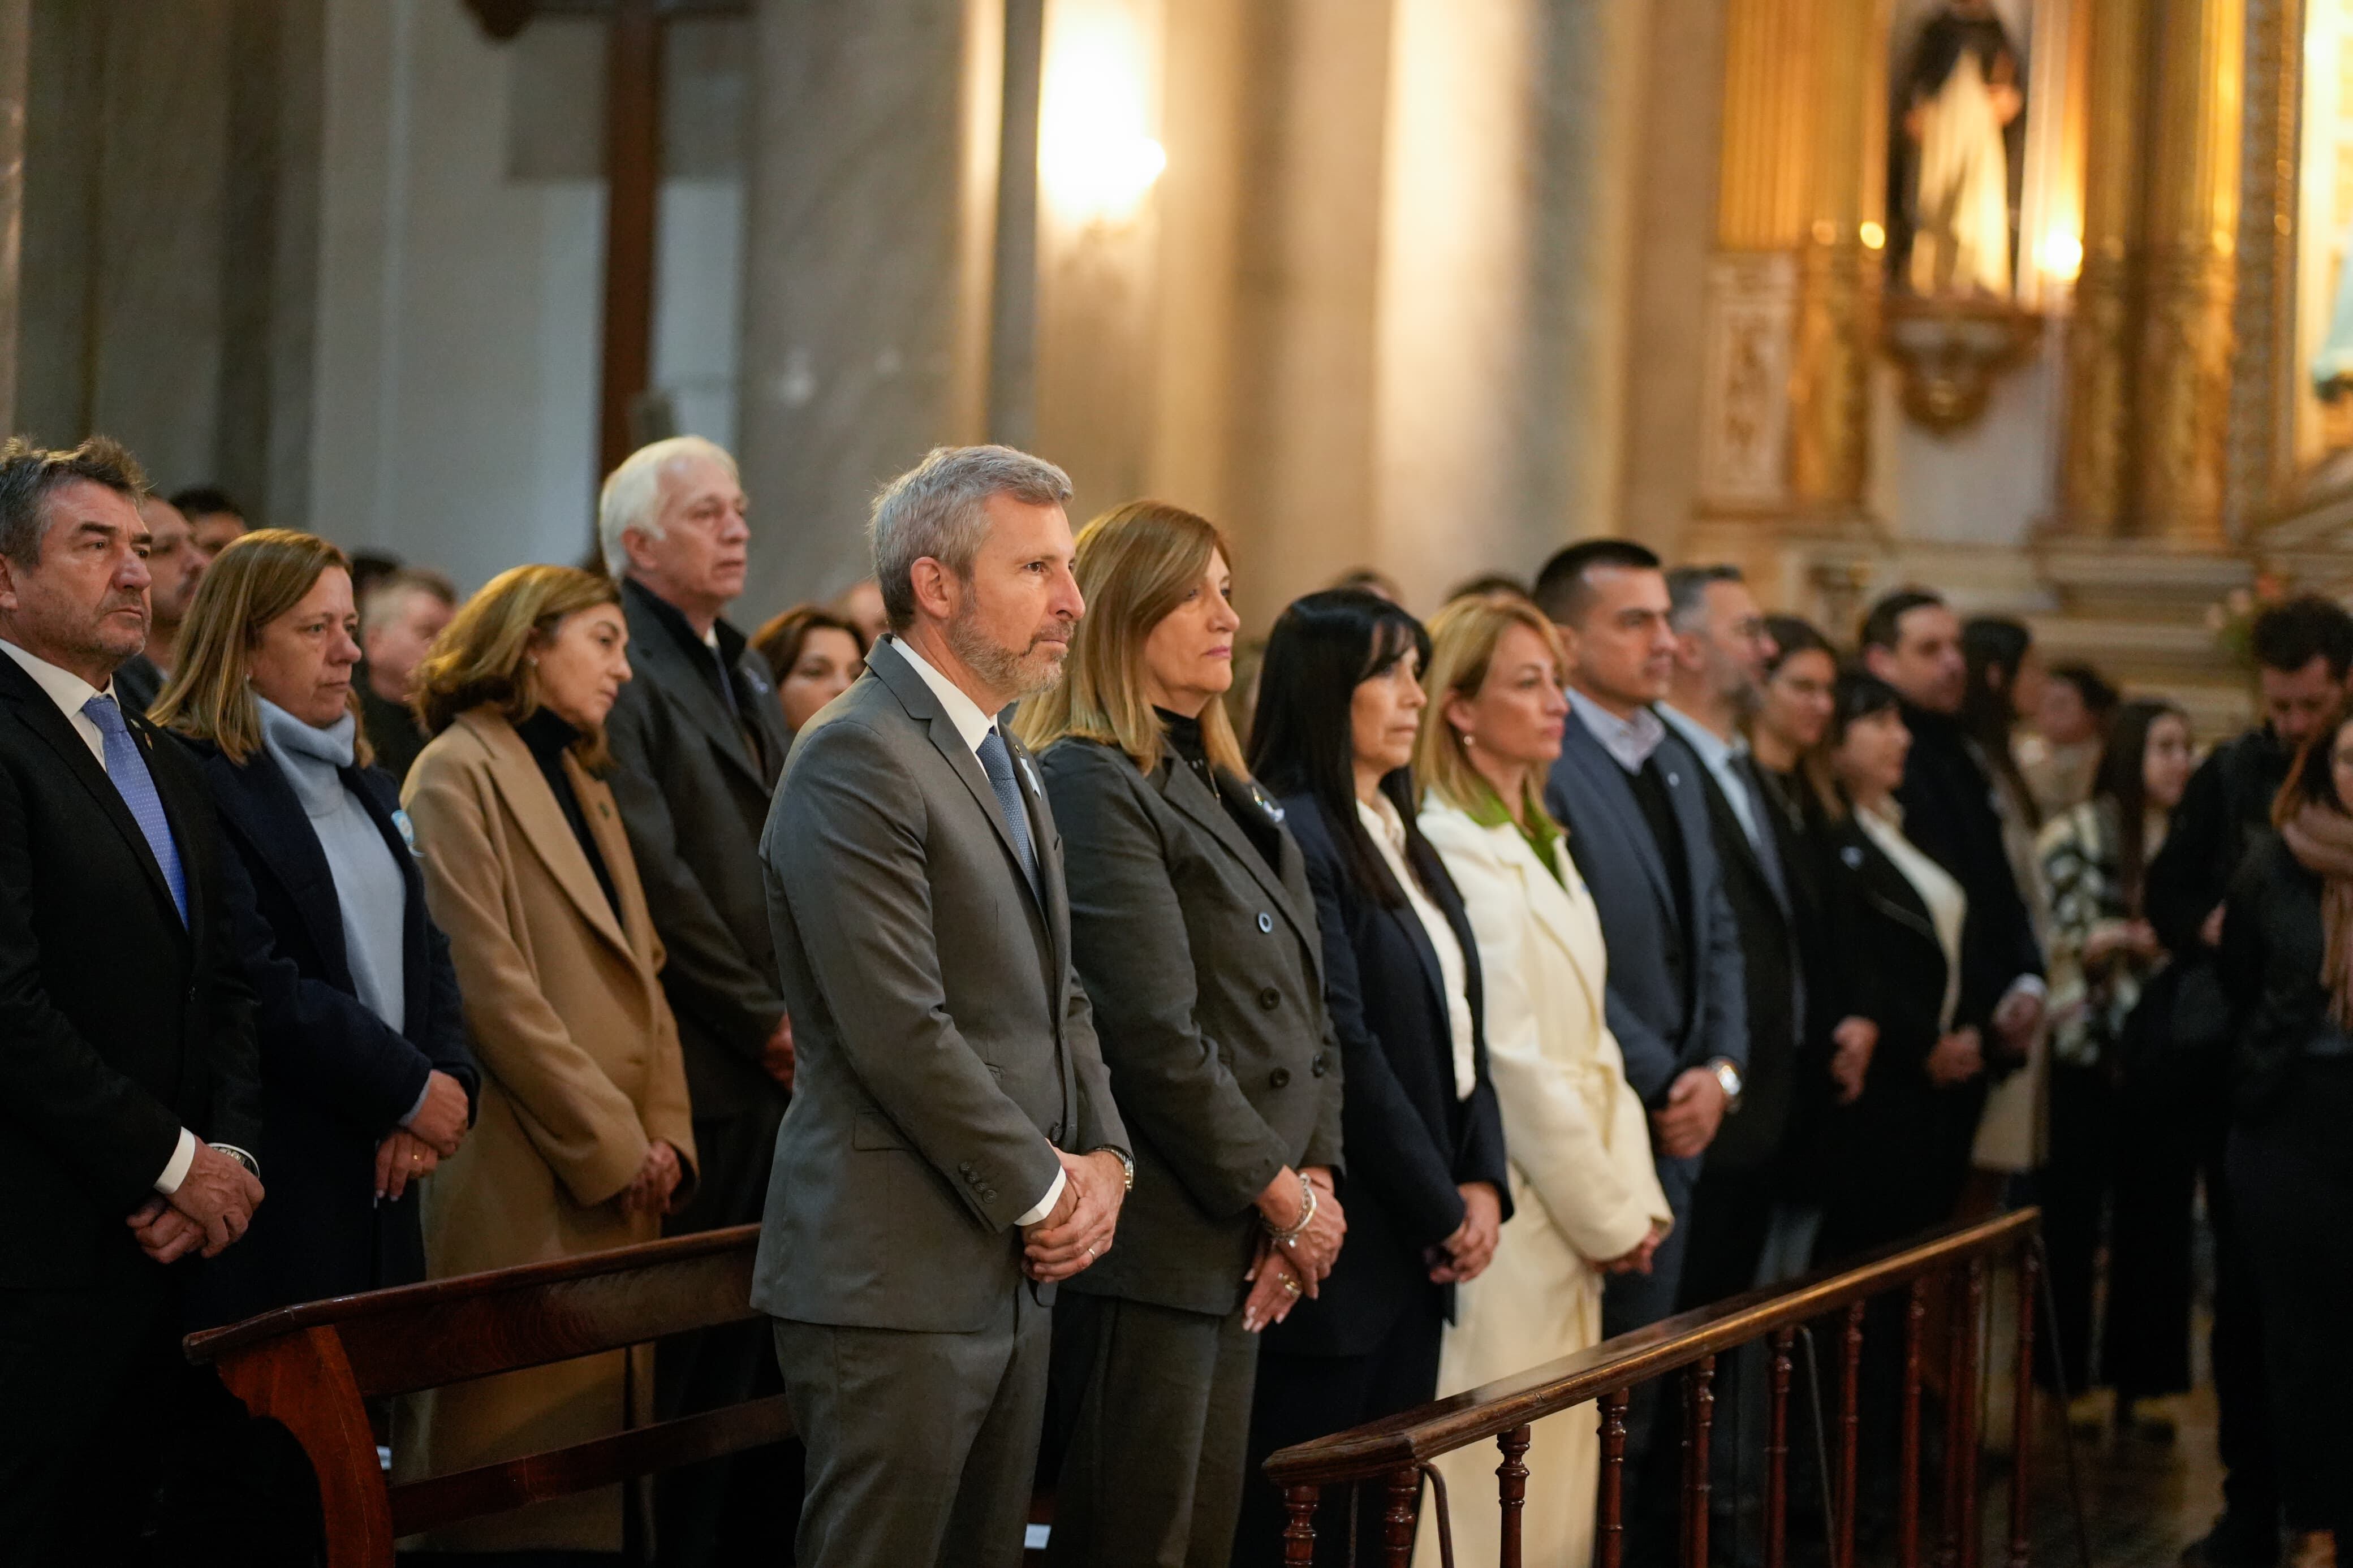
x=935 y=509
x=27 y=474
x=1687 y=589
x=632 y=494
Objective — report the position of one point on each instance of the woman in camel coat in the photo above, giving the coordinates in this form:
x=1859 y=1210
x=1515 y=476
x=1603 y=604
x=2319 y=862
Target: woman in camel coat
x=583 y=1140
x=1583 y=1186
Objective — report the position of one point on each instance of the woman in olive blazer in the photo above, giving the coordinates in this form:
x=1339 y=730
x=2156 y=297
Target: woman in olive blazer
x=1194 y=932
x=583 y=1140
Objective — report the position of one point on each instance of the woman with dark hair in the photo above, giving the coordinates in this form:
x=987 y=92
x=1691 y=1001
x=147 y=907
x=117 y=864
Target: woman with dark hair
x=813 y=656
x=1897 y=1155
x=1193 y=928
x=2287 y=963
x=2102 y=951
x=1425 y=1181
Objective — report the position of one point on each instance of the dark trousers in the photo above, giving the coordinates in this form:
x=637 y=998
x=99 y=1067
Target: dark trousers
x=1153 y=1406
x=2291 y=1176
x=1730 y=1213
x=2159 y=1143
x=2073 y=1190
x=921 y=1447
x=1303 y=1397
x=2244 y=1434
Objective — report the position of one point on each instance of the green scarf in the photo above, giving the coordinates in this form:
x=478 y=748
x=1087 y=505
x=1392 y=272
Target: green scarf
x=1542 y=833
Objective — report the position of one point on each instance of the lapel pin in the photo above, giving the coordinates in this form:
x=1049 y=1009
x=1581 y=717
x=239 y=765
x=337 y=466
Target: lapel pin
x=1852 y=857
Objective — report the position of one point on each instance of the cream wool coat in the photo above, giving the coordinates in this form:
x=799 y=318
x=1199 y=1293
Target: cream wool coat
x=580 y=1071
x=1583 y=1185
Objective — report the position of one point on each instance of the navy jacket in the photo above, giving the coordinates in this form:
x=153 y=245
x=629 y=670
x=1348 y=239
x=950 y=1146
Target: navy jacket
x=1410 y=1142
x=335 y=1079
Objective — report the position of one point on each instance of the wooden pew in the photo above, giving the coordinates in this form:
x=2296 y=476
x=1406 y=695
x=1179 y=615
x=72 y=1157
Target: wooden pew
x=313 y=1366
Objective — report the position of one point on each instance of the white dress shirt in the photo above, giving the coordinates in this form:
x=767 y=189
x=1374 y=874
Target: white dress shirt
x=1630 y=741
x=972 y=726
x=1718 y=756
x=70 y=692
x=1387 y=829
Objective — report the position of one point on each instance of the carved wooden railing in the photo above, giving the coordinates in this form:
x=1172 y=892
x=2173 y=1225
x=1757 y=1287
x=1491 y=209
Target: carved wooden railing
x=1396 y=1453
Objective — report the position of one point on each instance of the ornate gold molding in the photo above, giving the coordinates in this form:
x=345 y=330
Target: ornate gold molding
x=2259 y=456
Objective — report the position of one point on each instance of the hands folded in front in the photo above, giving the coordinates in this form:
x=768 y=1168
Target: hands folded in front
x=213 y=1207
x=1069 y=1240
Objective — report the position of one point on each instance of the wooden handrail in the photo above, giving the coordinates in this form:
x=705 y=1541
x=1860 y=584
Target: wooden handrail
x=1402 y=1442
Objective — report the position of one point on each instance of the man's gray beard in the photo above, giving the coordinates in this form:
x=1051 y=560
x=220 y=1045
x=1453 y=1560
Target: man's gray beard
x=1003 y=668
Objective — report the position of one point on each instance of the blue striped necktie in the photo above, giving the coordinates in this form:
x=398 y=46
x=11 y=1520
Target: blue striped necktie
x=127 y=767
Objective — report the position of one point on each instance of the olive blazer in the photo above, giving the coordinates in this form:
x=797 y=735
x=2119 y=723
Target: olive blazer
x=581 y=1072
x=1207 y=974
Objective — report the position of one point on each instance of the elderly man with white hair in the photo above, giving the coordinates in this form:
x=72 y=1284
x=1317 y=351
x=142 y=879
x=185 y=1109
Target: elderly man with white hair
x=698 y=742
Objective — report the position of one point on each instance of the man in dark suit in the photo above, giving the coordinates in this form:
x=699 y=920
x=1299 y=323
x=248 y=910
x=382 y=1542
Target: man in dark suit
x=698 y=742
x=128 y=1084
x=1721 y=647
x=952 y=1149
x=175 y=564
x=1638 y=830
x=1913 y=641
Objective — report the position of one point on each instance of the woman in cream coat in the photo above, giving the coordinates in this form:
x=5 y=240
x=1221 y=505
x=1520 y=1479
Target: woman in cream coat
x=1583 y=1185
x=584 y=1140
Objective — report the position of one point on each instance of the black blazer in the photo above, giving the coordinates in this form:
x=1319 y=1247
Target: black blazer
x=1411 y=1144
x=1205 y=974
x=1949 y=812
x=119 y=1024
x=1897 y=1157
x=2270 y=966
x=335 y=1078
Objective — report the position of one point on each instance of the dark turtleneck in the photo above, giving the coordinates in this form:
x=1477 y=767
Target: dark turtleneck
x=548 y=736
x=1185 y=744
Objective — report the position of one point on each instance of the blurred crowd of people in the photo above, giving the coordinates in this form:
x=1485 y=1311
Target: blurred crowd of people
x=1418 y=1002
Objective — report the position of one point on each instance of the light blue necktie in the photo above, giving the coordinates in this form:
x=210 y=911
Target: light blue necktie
x=128 y=768
x=998 y=764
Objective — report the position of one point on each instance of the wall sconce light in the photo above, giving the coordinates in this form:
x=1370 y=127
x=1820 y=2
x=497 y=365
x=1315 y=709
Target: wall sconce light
x=2059 y=255
x=1096 y=159
x=1874 y=236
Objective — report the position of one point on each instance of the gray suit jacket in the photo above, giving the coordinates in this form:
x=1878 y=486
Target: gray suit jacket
x=1207 y=976
x=944 y=1047
x=694 y=802
x=1589 y=794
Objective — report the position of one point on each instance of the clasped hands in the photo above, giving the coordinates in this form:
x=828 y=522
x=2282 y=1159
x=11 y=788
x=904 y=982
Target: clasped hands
x=213 y=1205
x=1282 y=1272
x=1079 y=1231
x=431 y=1136
x=1686 y=1124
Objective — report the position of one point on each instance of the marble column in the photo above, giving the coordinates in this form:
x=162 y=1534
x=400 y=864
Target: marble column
x=2183 y=383
x=15 y=42
x=869 y=229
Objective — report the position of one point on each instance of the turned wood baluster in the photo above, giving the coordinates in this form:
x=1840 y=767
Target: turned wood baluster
x=1908 y=1506
x=2021 y=1431
x=1776 y=1454
x=1611 y=1552
x=1956 y=1394
x=1397 y=1525
x=1850 y=1432
x=1701 y=1380
x=1299 y=1535
x=1511 y=1490
x=1964 y=1395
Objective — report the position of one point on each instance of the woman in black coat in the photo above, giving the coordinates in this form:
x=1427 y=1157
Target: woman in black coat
x=1194 y=933
x=2287 y=965
x=366 y=1079
x=1426 y=1184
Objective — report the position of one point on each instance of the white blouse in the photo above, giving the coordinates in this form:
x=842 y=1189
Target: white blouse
x=1388 y=830
x=1949 y=904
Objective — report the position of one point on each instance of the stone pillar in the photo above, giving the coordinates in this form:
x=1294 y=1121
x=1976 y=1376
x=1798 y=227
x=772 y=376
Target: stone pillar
x=1839 y=268
x=2094 y=497
x=16 y=43
x=2183 y=390
x=868 y=227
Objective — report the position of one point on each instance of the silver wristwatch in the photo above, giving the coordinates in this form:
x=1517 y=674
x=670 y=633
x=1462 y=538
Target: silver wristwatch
x=1728 y=1078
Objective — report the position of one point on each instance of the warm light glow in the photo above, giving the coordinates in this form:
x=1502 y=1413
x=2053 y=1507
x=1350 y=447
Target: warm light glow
x=1096 y=158
x=1874 y=236
x=2059 y=255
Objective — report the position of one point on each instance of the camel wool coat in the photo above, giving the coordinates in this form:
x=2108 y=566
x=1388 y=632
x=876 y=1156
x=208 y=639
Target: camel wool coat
x=580 y=1071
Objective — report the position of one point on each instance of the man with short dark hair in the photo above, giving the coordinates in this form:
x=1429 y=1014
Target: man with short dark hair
x=400 y=615
x=129 y=1082
x=2304 y=652
x=1638 y=830
x=213 y=518
x=175 y=564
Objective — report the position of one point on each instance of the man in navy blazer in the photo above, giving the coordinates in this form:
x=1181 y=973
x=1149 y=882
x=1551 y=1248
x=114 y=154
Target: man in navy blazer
x=1638 y=830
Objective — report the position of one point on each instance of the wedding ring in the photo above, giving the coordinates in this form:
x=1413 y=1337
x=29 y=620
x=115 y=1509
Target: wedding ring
x=1291 y=1285
x=1090 y=1252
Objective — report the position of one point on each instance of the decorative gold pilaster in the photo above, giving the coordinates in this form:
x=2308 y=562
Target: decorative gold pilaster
x=2261 y=403
x=1768 y=124
x=1839 y=268
x=2184 y=383
x=2093 y=493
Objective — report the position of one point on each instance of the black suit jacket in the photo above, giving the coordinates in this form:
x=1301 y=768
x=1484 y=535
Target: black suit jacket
x=336 y=1079
x=695 y=801
x=1949 y=812
x=1897 y=1157
x=1411 y=1144
x=119 y=1024
x=1752 y=1139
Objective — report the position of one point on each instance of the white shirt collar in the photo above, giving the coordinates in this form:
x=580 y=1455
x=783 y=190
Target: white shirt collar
x=1630 y=741
x=961 y=712
x=1713 y=751
x=66 y=689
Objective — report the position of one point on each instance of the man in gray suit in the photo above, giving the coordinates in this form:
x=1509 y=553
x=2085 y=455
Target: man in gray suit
x=698 y=742
x=1638 y=830
x=952 y=1150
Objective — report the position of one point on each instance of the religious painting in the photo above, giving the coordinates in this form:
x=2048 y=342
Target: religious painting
x=1956 y=147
